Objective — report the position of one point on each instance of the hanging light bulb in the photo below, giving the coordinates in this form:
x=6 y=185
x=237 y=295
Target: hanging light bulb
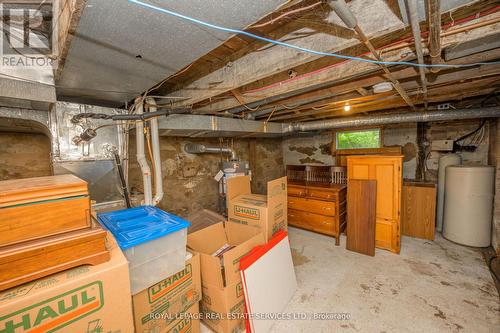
x=347 y=108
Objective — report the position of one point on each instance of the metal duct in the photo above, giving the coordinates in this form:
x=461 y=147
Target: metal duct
x=398 y=118
x=198 y=148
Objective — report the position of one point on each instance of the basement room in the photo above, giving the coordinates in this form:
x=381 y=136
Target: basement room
x=259 y=166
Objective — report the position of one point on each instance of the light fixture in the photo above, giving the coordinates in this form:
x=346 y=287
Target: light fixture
x=382 y=87
x=347 y=108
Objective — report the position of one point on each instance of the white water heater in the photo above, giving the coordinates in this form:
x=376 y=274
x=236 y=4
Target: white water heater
x=444 y=162
x=468 y=204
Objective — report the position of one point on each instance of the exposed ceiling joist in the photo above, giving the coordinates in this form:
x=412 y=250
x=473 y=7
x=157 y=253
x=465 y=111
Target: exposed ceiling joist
x=307 y=87
x=277 y=59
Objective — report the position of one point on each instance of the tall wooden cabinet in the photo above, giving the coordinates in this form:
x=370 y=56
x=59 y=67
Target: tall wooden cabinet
x=387 y=171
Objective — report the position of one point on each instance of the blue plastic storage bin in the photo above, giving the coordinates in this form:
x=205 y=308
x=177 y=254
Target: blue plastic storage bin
x=153 y=241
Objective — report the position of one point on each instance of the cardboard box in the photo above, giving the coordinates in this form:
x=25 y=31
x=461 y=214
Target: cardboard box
x=185 y=322
x=170 y=296
x=223 y=300
x=267 y=212
x=207 y=241
x=86 y=299
x=201 y=219
x=223 y=308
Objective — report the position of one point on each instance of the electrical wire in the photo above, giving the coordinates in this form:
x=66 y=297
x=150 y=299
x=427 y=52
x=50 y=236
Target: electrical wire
x=299 y=48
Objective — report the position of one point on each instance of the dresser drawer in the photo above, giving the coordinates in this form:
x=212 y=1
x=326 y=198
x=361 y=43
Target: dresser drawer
x=298 y=191
x=313 y=206
x=313 y=222
x=322 y=194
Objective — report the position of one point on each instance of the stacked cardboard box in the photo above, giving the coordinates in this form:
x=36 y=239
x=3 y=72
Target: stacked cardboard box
x=171 y=303
x=83 y=299
x=265 y=212
x=222 y=304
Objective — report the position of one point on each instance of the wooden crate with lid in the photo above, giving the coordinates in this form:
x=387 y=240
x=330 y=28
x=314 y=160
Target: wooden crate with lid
x=33 y=208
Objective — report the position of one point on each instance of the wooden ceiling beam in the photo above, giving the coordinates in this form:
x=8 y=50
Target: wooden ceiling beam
x=236 y=47
x=327 y=77
x=408 y=76
x=440 y=94
x=67 y=14
x=433 y=9
x=255 y=66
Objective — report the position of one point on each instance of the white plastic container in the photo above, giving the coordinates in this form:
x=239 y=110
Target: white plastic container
x=153 y=261
x=153 y=241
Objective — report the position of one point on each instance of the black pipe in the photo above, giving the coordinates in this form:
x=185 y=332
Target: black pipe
x=122 y=179
x=145 y=116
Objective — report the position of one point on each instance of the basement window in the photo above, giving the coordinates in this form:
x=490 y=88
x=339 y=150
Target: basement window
x=358 y=139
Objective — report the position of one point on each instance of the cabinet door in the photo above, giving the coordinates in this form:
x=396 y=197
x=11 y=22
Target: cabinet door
x=387 y=192
x=386 y=170
x=359 y=170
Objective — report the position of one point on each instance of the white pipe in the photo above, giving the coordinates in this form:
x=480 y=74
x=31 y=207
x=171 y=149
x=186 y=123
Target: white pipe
x=198 y=148
x=155 y=138
x=141 y=158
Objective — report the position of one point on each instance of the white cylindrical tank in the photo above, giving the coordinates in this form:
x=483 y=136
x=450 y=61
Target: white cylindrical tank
x=444 y=161
x=468 y=204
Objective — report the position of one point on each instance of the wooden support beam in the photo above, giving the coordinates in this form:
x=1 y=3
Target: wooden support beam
x=259 y=65
x=409 y=75
x=362 y=91
x=434 y=17
x=386 y=70
x=67 y=14
x=327 y=77
x=436 y=93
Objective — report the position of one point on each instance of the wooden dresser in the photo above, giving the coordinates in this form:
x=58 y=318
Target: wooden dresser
x=318 y=207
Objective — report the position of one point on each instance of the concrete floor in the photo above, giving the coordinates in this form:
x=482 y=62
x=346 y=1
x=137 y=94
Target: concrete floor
x=430 y=287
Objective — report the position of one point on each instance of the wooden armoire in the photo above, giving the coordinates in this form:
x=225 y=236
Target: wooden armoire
x=387 y=170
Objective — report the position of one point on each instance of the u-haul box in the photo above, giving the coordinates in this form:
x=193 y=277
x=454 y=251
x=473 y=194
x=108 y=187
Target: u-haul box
x=267 y=212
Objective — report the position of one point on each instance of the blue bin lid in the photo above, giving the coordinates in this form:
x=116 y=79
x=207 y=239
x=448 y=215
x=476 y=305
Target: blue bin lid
x=134 y=226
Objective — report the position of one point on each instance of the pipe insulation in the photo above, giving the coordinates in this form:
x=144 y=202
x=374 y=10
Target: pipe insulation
x=143 y=117
x=155 y=142
x=344 y=13
x=398 y=118
x=198 y=148
x=141 y=157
